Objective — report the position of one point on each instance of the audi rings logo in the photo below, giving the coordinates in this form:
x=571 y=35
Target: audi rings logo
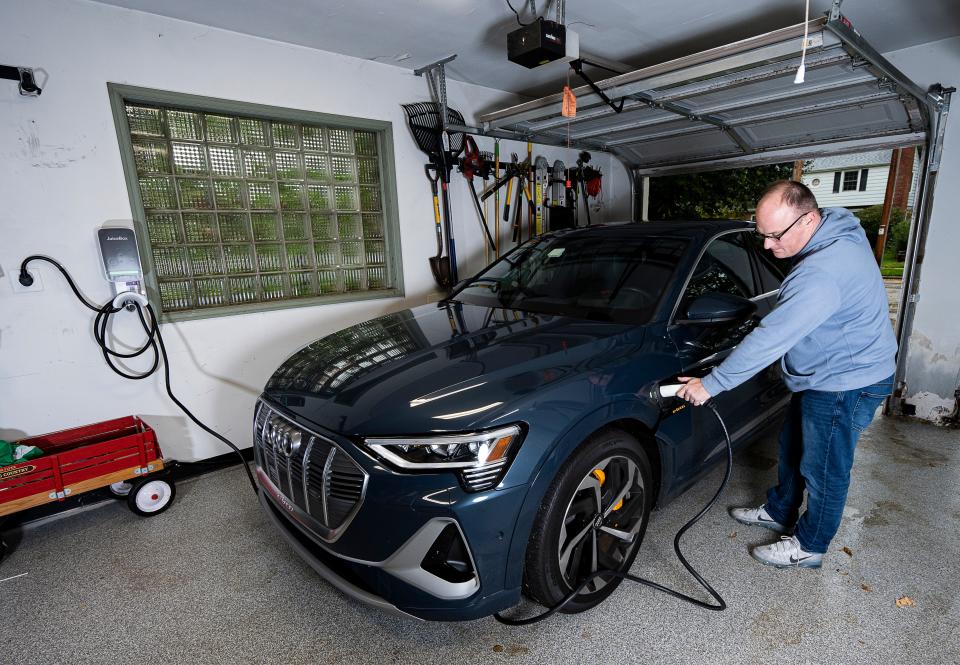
x=283 y=437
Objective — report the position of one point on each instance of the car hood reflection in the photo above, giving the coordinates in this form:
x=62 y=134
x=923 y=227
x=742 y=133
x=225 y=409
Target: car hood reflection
x=441 y=367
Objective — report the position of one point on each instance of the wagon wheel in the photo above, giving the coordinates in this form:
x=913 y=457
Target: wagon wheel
x=120 y=490
x=151 y=496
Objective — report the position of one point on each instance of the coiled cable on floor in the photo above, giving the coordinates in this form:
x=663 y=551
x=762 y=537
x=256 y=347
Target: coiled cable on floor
x=612 y=574
x=153 y=341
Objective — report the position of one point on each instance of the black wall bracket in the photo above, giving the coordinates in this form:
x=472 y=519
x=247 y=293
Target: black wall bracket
x=24 y=78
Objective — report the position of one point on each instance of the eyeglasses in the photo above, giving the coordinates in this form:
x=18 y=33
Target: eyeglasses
x=779 y=234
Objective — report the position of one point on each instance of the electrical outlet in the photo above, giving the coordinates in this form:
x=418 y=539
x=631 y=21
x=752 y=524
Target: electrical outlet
x=20 y=288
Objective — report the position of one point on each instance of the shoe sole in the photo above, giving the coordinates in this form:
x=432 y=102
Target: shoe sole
x=773 y=526
x=802 y=564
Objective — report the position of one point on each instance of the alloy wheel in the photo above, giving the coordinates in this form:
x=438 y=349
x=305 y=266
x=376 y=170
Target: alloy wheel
x=602 y=521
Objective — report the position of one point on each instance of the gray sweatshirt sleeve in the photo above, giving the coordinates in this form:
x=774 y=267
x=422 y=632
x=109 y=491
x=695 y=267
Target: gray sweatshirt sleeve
x=807 y=298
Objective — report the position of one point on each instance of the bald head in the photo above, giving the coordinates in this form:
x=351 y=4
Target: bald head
x=789 y=208
x=790 y=193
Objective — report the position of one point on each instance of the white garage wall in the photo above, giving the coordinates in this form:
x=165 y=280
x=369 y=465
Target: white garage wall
x=933 y=352
x=61 y=178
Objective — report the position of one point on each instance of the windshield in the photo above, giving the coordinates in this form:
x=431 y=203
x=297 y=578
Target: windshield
x=618 y=278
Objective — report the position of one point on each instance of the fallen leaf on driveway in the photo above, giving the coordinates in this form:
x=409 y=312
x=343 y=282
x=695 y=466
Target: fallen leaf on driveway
x=866 y=587
x=847 y=551
x=905 y=601
x=732 y=535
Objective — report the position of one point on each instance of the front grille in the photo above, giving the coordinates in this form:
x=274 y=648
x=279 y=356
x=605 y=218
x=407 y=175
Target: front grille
x=317 y=476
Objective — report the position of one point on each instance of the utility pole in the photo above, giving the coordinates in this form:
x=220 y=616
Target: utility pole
x=797 y=170
x=884 y=229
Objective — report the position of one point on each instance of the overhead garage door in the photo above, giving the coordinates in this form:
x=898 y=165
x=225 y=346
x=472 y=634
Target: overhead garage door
x=738 y=105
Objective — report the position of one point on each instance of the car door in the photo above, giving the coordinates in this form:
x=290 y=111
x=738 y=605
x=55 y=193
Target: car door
x=771 y=393
x=727 y=265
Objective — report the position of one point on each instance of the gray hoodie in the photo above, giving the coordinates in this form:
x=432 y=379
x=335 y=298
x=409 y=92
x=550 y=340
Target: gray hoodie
x=831 y=327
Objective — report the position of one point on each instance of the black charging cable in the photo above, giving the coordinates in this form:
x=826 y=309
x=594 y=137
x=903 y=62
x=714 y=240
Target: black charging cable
x=154 y=341
x=612 y=574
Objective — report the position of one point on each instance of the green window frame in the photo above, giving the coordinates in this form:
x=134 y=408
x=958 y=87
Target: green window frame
x=242 y=207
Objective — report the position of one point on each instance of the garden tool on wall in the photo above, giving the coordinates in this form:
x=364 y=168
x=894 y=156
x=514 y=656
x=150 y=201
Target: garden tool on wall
x=473 y=163
x=439 y=264
x=582 y=159
x=541 y=170
x=528 y=190
x=511 y=173
x=496 y=198
x=559 y=212
x=425 y=122
x=428 y=122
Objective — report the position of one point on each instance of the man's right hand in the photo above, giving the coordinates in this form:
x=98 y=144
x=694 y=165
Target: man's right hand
x=693 y=390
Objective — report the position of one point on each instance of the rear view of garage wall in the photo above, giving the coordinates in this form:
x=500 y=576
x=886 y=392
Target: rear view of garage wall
x=933 y=352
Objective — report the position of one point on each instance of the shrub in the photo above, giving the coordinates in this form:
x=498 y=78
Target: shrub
x=898 y=232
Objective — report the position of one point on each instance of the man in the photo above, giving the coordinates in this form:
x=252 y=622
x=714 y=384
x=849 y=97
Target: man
x=837 y=350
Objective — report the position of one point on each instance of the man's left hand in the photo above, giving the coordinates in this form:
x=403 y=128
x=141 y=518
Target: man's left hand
x=693 y=391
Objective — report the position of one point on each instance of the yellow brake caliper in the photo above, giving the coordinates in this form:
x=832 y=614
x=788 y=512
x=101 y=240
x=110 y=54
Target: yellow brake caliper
x=602 y=477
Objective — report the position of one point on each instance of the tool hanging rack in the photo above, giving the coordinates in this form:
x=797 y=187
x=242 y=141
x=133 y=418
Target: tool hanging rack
x=737 y=105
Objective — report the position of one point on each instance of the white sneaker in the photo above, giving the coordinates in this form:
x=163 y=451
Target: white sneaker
x=757 y=517
x=786 y=553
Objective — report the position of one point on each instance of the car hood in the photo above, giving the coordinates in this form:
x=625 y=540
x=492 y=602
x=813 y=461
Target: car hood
x=440 y=368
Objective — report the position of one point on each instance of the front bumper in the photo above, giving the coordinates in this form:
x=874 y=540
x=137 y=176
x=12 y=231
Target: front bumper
x=379 y=556
x=308 y=551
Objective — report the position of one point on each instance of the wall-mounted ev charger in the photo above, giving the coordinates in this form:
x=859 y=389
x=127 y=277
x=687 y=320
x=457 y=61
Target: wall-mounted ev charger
x=120 y=256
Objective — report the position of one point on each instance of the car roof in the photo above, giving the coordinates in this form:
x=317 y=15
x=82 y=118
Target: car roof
x=682 y=227
x=693 y=229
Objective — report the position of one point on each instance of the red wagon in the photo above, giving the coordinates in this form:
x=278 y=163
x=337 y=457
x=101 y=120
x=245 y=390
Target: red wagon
x=122 y=455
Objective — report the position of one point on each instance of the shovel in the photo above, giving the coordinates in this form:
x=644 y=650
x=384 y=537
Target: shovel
x=439 y=264
x=426 y=124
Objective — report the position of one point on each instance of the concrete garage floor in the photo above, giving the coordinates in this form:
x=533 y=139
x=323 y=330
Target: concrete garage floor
x=210 y=582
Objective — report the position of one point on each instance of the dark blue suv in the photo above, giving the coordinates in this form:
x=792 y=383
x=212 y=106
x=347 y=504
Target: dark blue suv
x=440 y=461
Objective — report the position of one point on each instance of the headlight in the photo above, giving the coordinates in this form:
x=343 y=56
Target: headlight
x=479 y=456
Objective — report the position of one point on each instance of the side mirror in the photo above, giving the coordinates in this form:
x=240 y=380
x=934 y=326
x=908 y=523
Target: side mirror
x=716 y=307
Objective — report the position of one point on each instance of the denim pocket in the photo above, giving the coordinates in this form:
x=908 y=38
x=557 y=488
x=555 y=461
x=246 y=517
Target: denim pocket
x=865 y=409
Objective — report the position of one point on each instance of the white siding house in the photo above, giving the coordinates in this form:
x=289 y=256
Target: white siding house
x=851 y=181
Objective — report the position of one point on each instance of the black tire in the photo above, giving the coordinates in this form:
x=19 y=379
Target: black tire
x=151 y=496
x=564 y=514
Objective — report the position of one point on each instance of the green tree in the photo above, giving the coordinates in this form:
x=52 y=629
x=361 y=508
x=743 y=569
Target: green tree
x=899 y=228
x=729 y=194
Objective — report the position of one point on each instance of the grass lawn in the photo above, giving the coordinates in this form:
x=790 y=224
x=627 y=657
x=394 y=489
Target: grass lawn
x=890 y=268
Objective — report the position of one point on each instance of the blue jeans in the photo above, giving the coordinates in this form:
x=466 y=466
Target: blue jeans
x=817 y=442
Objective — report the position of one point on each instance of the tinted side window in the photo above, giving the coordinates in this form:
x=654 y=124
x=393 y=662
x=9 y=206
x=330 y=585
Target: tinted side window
x=724 y=268
x=770 y=275
x=772 y=270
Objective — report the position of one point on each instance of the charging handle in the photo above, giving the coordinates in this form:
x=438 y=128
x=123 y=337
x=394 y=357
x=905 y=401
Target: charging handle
x=670 y=390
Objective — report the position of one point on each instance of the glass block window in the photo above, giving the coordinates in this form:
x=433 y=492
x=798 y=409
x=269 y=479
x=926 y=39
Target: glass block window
x=243 y=210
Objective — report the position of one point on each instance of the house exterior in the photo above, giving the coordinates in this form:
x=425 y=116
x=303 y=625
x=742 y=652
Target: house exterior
x=860 y=180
